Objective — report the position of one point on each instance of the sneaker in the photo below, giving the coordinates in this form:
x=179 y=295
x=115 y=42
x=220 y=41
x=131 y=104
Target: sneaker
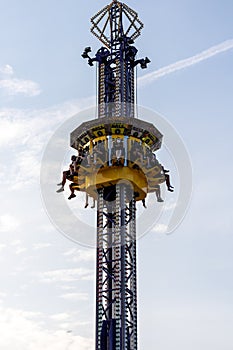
x=72 y=196
x=60 y=190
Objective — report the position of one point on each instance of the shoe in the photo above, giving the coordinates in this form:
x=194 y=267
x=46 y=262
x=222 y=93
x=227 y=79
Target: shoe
x=86 y=205
x=59 y=184
x=60 y=190
x=160 y=200
x=170 y=189
x=72 y=196
x=144 y=204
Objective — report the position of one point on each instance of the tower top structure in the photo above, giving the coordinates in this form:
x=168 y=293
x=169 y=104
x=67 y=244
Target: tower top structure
x=115 y=21
x=116 y=26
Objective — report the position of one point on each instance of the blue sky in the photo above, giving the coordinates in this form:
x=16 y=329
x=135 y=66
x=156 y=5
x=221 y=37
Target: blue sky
x=185 y=279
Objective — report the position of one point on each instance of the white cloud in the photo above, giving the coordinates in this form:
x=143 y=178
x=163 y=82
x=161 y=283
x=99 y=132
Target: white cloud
x=15 y=127
x=20 y=250
x=38 y=246
x=28 y=168
x=60 y=317
x=78 y=255
x=70 y=325
x=27 y=132
x=66 y=275
x=26 y=331
x=182 y=64
x=65 y=287
x=12 y=86
x=75 y=296
x=8 y=223
x=2 y=247
x=7 y=70
x=16 y=242
x=169 y=205
x=2 y=296
x=15 y=86
x=37 y=124
x=18 y=247
x=70 y=252
x=189 y=325
x=160 y=228
x=69 y=321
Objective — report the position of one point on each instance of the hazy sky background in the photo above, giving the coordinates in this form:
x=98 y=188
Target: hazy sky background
x=47 y=286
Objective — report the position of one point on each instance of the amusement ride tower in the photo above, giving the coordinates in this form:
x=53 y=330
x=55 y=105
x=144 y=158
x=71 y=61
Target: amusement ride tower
x=116 y=166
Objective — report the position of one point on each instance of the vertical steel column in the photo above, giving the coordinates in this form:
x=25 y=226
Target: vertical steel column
x=116 y=29
x=133 y=282
x=123 y=229
x=116 y=289
x=132 y=101
x=99 y=270
x=128 y=269
x=117 y=254
x=101 y=91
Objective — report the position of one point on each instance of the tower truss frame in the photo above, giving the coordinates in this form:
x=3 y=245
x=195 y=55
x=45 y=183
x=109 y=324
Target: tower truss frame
x=116 y=174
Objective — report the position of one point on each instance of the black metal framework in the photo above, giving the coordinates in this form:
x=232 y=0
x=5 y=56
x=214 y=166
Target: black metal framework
x=116 y=288
x=116 y=26
x=108 y=25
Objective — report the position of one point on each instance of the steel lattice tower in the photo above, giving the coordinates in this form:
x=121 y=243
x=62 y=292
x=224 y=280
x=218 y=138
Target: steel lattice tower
x=113 y=168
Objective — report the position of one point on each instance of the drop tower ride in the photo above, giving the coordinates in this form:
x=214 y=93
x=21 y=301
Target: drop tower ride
x=117 y=167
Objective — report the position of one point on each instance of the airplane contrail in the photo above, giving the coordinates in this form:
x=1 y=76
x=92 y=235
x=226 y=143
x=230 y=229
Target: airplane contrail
x=202 y=56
